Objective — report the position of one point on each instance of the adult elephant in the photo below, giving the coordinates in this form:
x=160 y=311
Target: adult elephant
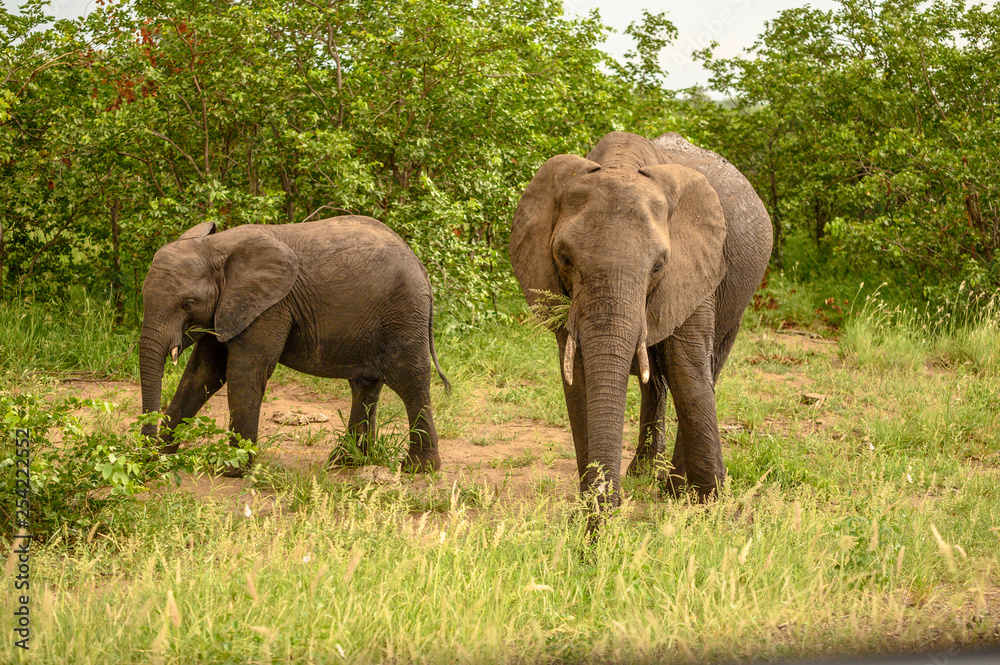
x=660 y=246
x=341 y=298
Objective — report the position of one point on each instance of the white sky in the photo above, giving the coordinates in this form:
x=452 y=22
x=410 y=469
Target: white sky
x=735 y=24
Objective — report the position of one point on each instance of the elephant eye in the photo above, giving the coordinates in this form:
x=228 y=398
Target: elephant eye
x=188 y=305
x=565 y=260
x=658 y=267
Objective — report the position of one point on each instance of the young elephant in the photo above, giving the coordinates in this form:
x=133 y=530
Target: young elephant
x=660 y=244
x=341 y=298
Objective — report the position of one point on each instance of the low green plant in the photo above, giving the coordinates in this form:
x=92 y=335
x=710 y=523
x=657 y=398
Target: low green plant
x=384 y=446
x=873 y=547
x=887 y=336
x=783 y=300
x=78 y=472
x=80 y=335
x=495 y=562
x=964 y=331
x=514 y=461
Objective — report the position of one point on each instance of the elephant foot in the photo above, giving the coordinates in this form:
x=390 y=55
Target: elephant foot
x=169 y=448
x=422 y=462
x=599 y=505
x=676 y=484
x=640 y=466
x=708 y=493
x=707 y=485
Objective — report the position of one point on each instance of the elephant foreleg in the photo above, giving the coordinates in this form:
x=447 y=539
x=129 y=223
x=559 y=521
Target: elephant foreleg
x=253 y=355
x=698 y=450
x=204 y=375
x=652 y=440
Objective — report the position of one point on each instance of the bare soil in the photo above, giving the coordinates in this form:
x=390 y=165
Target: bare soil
x=512 y=458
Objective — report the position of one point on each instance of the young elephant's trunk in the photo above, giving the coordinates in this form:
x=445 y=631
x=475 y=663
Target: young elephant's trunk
x=153 y=349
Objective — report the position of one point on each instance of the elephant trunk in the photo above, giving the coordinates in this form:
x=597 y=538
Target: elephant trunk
x=610 y=330
x=153 y=349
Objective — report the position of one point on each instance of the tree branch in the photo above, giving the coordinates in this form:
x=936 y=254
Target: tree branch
x=179 y=149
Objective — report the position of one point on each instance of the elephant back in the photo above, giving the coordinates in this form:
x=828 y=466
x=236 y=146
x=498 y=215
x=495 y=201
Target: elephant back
x=745 y=212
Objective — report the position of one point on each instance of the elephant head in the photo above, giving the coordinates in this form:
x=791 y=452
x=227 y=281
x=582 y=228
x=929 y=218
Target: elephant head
x=637 y=249
x=206 y=283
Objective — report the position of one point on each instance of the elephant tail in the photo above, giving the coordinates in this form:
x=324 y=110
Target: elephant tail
x=430 y=336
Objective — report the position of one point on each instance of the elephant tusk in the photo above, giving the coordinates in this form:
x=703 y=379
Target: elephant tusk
x=175 y=354
x=643 y=360
x=568 y=356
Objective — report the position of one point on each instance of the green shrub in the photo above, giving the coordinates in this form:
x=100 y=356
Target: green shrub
x=386 y=446
x=77 y=474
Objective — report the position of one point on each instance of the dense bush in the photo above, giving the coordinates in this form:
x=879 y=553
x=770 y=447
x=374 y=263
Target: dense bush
x=867 y=130
x=872 y=129
x=79 y=468
x=122 y=129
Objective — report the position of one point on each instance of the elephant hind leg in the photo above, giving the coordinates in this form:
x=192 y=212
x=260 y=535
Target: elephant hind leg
x=652 y=437
x=204 y=375
x=414 y=388
x=721 y=352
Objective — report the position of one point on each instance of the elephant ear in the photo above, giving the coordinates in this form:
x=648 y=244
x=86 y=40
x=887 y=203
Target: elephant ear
x=259 y=272
x=198 y=231
x=531 y=230
x=696 y=227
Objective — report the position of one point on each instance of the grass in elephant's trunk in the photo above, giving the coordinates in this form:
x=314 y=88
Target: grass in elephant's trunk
x=551 y=310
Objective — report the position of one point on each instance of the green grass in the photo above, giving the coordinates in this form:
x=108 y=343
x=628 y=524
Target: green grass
x=525 y=458
x=357 y=571
x=386 y=448
x=80 y=336
x=965 y=334
x=867 y=523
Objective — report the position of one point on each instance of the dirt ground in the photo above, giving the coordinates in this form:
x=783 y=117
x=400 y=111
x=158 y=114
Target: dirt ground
x=519 y=455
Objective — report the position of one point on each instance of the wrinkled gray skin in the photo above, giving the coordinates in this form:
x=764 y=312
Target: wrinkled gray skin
x=341 y=298
x=660 y=244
